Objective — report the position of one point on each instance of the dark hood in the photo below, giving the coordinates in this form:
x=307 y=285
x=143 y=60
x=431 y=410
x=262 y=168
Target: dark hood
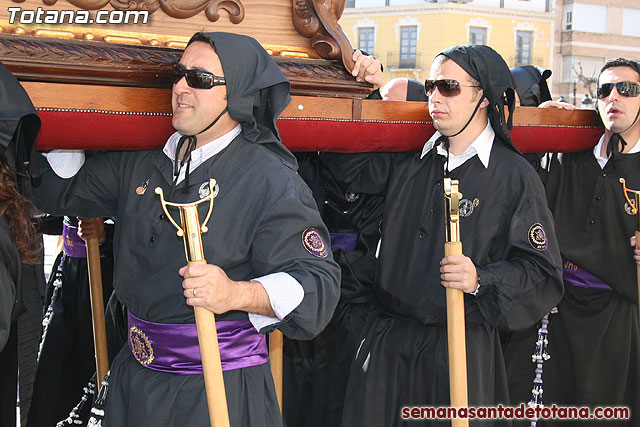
x=489 y=69
x=19 y=122
x=531 y=84
x=257 y=91
x=415 y=91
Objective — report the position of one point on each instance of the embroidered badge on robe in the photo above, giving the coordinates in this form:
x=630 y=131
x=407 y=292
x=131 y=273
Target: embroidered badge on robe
x=203 y=191
x=466 y=207
x=537 y=237
x=142 y=188
x=630 y=209
x=140 y=346
x=313 y=243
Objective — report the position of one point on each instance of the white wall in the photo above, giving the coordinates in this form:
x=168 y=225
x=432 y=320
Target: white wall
x=631 y=22
x=587 y=17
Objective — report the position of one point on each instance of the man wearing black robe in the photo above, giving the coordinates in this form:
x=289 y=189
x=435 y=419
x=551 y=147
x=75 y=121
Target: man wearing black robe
x=510 y=270
x=594 y=339
x=267 y=246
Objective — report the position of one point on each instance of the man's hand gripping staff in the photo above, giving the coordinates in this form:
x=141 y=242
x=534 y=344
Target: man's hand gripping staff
x=191 y=231
x=455 y=306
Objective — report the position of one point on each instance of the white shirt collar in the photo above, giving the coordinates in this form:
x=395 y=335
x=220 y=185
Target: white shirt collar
x=201 y=154
x=481 y=146
x=602 y=161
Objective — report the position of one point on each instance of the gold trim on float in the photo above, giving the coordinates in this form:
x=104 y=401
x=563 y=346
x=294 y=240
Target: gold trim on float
x=124 y=40
x=55 y=33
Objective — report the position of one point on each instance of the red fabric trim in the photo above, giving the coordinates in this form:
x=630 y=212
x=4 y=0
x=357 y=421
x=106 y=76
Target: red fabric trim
x=113 y=131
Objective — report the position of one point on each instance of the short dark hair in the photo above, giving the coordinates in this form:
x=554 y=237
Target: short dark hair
x=620 y=62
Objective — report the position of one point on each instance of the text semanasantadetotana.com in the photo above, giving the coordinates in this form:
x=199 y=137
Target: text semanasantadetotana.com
x=521 y=412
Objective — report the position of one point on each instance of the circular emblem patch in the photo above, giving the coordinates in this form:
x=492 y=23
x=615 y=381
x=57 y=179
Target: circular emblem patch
x=313 y=243
x=466 y=207
x=204 y=191
x=140 y=346
x=537 y=237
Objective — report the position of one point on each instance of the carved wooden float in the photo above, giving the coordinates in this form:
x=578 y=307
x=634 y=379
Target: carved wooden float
x=108 y=86
x=140 y=118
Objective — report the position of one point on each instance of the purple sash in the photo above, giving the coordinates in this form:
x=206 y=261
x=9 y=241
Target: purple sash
x=576 y=276
x=72 y=245
x=345 y=241
x=174 y=348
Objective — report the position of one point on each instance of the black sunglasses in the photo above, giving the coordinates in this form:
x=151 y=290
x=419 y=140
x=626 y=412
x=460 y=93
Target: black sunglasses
x=447 y=87
x=629 y=89
x=197 y=79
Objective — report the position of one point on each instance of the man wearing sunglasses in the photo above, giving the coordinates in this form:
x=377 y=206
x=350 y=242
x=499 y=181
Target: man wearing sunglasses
x=594 y=339
x=267 y=247
x=510 y=270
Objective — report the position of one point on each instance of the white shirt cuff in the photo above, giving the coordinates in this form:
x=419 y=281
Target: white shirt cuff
x=285 y=294
x=65 y=163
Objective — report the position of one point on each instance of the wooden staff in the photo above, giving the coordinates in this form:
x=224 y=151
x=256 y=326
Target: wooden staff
x=205 y=320
x=634 y=210
x=455 y=307
x=276 y=343
x=97 y=306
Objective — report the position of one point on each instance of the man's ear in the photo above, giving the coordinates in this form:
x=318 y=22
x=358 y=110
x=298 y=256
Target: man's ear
x=484 y=103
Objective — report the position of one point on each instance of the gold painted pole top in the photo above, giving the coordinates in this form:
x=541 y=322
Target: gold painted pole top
x=452 y=209
x=635 y=205
x=191 y=228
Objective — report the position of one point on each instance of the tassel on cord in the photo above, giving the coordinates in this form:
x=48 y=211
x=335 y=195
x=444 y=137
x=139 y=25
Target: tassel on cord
x=538 y=357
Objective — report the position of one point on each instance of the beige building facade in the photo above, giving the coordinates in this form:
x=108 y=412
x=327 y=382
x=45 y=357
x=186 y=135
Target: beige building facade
x=588 y=33
x=406 y=37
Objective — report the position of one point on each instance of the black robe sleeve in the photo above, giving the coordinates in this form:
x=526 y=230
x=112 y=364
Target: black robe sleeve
x=515 y=293
x=92 y=192
x=276 y=248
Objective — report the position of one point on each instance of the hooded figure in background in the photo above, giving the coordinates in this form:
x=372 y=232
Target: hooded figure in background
x=510 y=267
x=532 y=89
x=531 y=84
x=21 y=272
x=267 y=248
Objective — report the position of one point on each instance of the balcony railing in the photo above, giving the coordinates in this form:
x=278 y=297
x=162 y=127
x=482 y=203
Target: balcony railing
x=395 y=60
x=516 y=61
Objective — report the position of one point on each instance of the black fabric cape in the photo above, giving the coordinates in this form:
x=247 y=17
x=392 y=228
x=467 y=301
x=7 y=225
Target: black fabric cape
x=316 y=371
x=10 y=273
x=67 y=359
x=9 y=276
x=19 y=128
x=403 y=358
x=594 y=340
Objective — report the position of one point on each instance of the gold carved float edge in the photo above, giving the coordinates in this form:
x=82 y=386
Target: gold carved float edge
x=43 y=59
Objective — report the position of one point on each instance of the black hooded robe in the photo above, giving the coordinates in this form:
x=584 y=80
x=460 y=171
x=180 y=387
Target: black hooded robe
x=594 y=339
x=22 y=285
x=403 y=358
x=259 y=216
x=316 y=371
x=506 y=229
x=67 y=359
x=9 y=277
